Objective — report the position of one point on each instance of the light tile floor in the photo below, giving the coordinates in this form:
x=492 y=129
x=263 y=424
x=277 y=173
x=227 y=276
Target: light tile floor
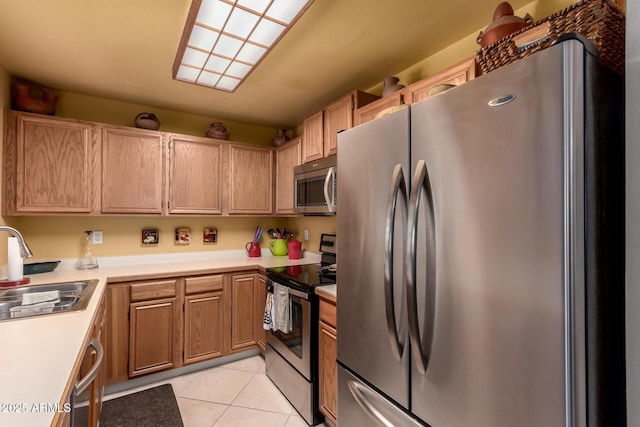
x=236 y=394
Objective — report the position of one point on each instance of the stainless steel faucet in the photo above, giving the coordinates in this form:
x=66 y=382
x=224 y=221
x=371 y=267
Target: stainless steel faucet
x=24 y=248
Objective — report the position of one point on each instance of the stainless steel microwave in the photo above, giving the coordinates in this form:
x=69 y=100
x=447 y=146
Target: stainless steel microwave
x=315 y=187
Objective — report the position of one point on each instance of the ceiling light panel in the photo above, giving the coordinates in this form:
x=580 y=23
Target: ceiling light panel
x=258 y=6
x=266 y=32
x=224 y=40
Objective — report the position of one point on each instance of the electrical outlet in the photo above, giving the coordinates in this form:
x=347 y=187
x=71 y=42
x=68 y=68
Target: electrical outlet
x=306 y=234
x=97 y=237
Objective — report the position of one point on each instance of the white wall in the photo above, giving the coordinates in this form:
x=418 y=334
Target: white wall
x=633 y=211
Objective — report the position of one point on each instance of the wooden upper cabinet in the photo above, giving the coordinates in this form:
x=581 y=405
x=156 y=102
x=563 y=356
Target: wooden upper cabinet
x=250 y=179
x=370 y=111
x=49 y=165
x=338 y=116
x=313 y=139
x=288 y=156
x=132 y=171
x=195 y=175
x=454 y=75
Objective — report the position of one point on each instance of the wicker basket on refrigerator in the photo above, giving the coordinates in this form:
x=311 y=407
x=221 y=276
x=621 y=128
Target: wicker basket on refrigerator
x=600 y=21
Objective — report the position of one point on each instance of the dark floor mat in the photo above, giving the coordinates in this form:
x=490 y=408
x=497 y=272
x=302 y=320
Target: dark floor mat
x=155 y=407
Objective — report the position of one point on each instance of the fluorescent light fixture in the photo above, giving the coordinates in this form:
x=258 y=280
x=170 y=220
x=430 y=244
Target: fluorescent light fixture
x=224 y=40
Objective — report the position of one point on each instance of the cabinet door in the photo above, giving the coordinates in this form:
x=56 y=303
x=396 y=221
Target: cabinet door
x=250 y=179
x=54 y=163
x=287 y=157
x=243 y=311
x=313 y=138
x=454 y=75
x=261 y=299
x=195 y=176
x=328 y=371
x=152 y=334
x=370 y=111
x=117 y=334
x=203 y=327
x=131 y=171
x=337 y=116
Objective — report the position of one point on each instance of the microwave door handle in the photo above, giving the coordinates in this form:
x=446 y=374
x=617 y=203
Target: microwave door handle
x=397 y=185
x=330 y=175
x=419 y=184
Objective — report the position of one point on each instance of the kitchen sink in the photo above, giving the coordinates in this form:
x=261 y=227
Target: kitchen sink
x=73 y=296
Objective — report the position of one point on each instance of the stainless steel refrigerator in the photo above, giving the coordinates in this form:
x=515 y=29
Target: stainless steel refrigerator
x=481 y=253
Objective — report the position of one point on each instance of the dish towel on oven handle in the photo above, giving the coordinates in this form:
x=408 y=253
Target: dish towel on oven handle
x=281 y=308
x=267 y=321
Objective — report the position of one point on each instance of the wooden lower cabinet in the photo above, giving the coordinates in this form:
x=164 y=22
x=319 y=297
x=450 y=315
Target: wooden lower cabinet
x=204 y=322
x=152 y=336
x=154 y=327
x=117 y=336
x=243 y=311
x=261 y=299
x=327 y=359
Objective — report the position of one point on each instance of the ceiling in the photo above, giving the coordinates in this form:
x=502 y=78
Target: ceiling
x=124 y=50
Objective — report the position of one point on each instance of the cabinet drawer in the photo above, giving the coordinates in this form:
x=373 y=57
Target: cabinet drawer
x=153 y=290
x=194 y=285
x=328 y=312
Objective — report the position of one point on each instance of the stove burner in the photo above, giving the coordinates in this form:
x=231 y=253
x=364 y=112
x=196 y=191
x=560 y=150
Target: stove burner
x=328 y=269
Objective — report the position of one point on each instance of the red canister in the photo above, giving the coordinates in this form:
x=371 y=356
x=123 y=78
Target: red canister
x=295 y=248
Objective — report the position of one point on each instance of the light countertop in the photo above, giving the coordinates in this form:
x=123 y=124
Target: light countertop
x=38 y=354
x=329 y=292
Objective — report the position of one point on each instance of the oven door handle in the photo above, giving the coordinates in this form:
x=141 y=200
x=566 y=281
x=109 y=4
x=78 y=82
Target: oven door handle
x=293 y=292
x=298 y=294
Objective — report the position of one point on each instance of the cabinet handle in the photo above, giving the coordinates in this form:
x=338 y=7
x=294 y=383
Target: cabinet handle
x=93 y=372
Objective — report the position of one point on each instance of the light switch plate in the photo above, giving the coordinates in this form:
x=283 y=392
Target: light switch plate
x=97 y=237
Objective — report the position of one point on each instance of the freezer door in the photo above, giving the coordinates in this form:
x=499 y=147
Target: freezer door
x=373 y=164
x=491 y=298
x=362 y=406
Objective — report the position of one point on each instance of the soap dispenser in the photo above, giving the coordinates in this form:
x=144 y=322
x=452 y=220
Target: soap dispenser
x=88 y=261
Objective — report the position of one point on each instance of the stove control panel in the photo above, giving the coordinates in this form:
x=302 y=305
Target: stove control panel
x=328 y=244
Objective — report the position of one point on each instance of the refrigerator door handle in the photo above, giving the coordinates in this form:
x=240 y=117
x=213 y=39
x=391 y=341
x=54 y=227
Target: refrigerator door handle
x=397 y=184
x=329 y=201
x=420 y=183
x=358 y=393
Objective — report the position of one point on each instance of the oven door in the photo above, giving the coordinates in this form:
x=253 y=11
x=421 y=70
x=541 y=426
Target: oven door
x=295 y=346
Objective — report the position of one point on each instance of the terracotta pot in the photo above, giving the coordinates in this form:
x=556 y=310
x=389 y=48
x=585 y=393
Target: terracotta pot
x=34 y=99
x=504 y=23
x=218 y=131
x=147 y=121
x=390 y=85
x=279 y=139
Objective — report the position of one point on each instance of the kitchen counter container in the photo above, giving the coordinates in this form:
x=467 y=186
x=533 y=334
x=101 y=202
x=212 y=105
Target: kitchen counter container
x=39 y=267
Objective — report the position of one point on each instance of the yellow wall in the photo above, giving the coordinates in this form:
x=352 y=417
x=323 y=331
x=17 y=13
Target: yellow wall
x=63 y=237
x=4 y=103
x=83 y=107
x=467 y=47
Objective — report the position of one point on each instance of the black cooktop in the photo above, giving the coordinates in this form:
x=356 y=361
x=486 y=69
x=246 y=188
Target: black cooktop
x=304 y=276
